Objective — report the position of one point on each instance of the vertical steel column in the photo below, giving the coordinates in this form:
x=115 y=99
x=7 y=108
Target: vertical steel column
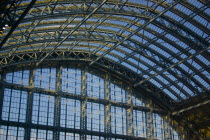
x=173 y=125
x=129 y=113
x=83 y=117
x=3 y=79
x=29 y=106
x=149 y=121
x=107 y=110
x=167 y=131
x=56 y=132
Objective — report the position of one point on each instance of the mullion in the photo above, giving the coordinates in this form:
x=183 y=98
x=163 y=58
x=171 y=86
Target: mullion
x=17 y=133
x=115 y=119
x=91 y=114
x=75 y=112
x=66 y=110
x=75 y=81
x=143 y=121
x=7 y=132
x=137 y=133
x=122 y=121
x=39 y=95
x=19 y=106
x=48 y=104
x=91 y=86
x=99 y=116
x=99 y=87
x=10 y=96
x=10 y=102
x=67 y=77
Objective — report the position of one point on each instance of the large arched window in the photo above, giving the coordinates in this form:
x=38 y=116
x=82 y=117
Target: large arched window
x=75 y=102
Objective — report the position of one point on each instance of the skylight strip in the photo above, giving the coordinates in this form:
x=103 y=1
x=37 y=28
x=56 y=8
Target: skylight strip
x=195 y=29
x=183 y=9
x=203 y=59
x=118 y=53
x=149 y=62
x=114 y=59
x=161 y=51
x=185 y=88
x=170 y=95
x=185 y=68
x=130 y=67
x=155 y=28
x=207 y=11
x=170 y=76
x=155 y=83
x=178 y=92
x=195 y=3
x=202 y=21
x=202 y=82
x=173 y=16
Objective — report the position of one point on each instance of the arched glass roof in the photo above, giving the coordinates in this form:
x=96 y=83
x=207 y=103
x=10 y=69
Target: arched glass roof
x=165 y=42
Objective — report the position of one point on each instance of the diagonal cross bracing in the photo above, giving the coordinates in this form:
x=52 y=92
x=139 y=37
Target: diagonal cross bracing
x=170 y=67
x=139 y=29
x=72 y=31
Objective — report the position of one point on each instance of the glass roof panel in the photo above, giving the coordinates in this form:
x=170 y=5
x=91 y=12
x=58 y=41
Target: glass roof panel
x=153 y=50
x=155 y=83
x=157 y=29
x=174 y=16
x=195 y=29
x=178 y=92
x=195 y=3
x=170 y=94
x=202 y=21
x=207 y=11
x=129 y=66
x=206 y=85
x=148 y=61
x=183 y=9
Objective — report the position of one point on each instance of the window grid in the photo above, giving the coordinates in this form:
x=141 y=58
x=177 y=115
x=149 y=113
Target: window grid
x=118 y=120
x=117 y=93
x=158 y=126
x=95 y=86
x=95 y=117
x=18 y=77
x=11 y=133
x=70 y=113
x=45 y=78
x=70 y=108
x=43 y=109
x=14 y=105
x=38 y=134
x=69 y=136
x=139 y=123
x=71 y=80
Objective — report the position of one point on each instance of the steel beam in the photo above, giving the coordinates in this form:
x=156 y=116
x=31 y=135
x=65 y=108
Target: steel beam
x=17 y=22
x=29 y=106
x=133 y=33
x=57 y=105
x=172 y=66
x=83 y=116
x=107 y=108
x=2 y=86
x=168 y=78
x=71 y=32
x=149 y=121
x=191 y=107
x=129 y=113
